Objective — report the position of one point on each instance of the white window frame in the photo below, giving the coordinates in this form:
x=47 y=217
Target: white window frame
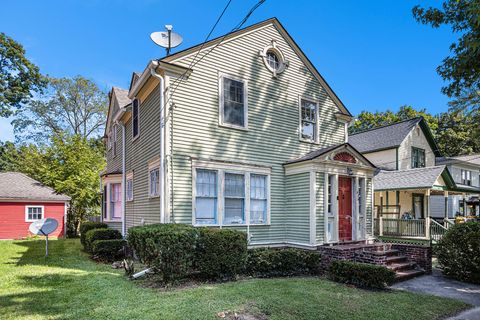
x=221 y=100
x=316 y=133
x=466 y=177
x=221 y=169
x=34 y=206
x=107 y=183
x=129 y=179
x=153 y=165
x=138 y=117
x=109 y=214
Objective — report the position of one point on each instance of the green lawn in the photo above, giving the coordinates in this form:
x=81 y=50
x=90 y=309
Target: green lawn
x=67 y=285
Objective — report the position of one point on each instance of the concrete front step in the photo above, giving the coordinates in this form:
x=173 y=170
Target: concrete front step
x=408 y=274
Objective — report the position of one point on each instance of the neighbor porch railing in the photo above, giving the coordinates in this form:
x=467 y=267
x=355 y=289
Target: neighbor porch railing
x=427 y=229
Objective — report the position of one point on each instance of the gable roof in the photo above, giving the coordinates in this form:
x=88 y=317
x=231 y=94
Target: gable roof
x=275 y=22
x=19 y=186
x=473 y=159
x=121 y=96
x=319 y=152
x=419 y=178
x=391 y=136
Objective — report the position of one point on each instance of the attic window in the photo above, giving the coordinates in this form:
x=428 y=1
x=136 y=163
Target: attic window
x=274 y=59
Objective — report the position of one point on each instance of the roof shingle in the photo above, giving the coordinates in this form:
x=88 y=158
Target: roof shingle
x=419 y=178
x=16 y=185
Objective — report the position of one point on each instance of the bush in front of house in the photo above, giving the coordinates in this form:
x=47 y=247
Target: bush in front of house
x=458 y=252
x=268 y=262
x=100 y=234
x=221 y=253
x=108 y=250
x=168 y=248
x=361 y=275
x=86 y=226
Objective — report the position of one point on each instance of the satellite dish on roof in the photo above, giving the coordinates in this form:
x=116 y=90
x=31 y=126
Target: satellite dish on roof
x=44 y=227
x=167 y=39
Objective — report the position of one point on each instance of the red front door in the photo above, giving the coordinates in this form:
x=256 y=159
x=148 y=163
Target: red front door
x=344 y=208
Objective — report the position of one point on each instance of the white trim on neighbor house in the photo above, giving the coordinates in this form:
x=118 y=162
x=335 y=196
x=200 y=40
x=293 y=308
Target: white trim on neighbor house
x=313 y=207
x=27 y=207
x=221 y=169
x=317 y=119
x=221 y=101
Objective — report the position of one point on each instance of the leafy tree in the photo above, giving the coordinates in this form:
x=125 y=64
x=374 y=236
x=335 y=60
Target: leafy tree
x=68 y=164
x=367 y=120
x=462 y=68
x=457 y=133
x=19 y=78
x=70 y=107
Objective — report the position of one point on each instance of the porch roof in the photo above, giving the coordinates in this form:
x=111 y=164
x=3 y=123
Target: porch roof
x=436 y=177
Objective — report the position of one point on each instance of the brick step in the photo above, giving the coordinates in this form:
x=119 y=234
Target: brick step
x=397 y=259
x=398 y=266
x=408 y=274
x=391 y=252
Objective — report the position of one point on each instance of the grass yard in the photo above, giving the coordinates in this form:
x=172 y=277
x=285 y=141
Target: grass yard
x=67 y=285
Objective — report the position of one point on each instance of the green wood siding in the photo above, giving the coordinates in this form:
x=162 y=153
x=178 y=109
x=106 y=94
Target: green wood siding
x=114 y=161
x=320 y=209
x=298 y=208
x=138 y=153
x=273 y=117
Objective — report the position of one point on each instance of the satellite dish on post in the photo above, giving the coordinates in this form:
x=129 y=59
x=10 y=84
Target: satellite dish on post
x=44 y=227
x=167 y=39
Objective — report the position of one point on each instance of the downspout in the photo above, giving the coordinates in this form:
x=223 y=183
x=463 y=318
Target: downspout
x=162 y=143
x=124 y=181
x=101 y=192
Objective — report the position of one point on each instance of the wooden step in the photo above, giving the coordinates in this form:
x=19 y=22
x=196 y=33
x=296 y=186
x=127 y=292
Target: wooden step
x=408 y=274
x=397 y=266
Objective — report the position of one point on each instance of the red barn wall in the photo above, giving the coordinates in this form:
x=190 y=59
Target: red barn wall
x=12 y=218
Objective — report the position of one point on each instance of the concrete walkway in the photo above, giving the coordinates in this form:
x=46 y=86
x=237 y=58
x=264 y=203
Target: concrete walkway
x=438 y=285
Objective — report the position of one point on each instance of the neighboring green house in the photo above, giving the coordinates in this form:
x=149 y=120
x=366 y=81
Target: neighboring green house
x=249 y=136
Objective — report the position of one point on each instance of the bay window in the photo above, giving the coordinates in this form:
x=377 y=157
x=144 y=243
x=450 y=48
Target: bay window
x=258 y=199
x=115 y=201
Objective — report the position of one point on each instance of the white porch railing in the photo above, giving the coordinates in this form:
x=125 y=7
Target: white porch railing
x=427 y=229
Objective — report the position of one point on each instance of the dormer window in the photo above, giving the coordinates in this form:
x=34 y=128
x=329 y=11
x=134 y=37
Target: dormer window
x=135 y=118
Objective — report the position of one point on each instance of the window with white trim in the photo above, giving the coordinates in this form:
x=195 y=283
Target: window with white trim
x=154 y=182
x=466 y=177
x=234 y=196
x=129 y=191
x=233 y=102
x=206 y=196
x=308 y=120
x=135 y=118
x=33 y=213
x=115 y=201
x=258 y=198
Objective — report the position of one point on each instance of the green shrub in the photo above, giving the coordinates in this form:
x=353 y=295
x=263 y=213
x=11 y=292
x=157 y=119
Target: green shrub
x=100 y=234
x=221 y=253
x=85 y=226
x=108 y=250
x=267 y=262
x=458 y=252
x=168 y=248
x=362 y=275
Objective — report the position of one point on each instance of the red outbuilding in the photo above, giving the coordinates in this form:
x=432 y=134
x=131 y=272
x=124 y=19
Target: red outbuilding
x=24 y=200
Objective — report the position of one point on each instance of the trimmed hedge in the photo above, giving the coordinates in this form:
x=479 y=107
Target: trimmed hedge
x=459 y=252
x=100 y=234
x=168 y=248
x=362 y=275
x=108 y=250
x=221 y=253
x=86 y=226
x=267 y=262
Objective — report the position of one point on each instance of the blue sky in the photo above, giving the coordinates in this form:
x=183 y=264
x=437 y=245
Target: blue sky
x=372 y=53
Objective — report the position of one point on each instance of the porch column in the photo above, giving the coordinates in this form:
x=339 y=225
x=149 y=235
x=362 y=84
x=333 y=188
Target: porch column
x=464 y=204
x=427 y=216
x=335 y=207
x=445 y=196
x=357 y=209
x=381 y=204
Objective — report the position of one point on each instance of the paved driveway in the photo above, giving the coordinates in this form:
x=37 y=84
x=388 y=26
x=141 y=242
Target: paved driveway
x=438 y=285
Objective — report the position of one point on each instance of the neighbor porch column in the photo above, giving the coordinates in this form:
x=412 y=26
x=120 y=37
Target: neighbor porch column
x=427 y=216
x=445 y=196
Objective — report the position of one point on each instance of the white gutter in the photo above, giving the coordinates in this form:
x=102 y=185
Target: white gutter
x=162 y=142
x=124 y=181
